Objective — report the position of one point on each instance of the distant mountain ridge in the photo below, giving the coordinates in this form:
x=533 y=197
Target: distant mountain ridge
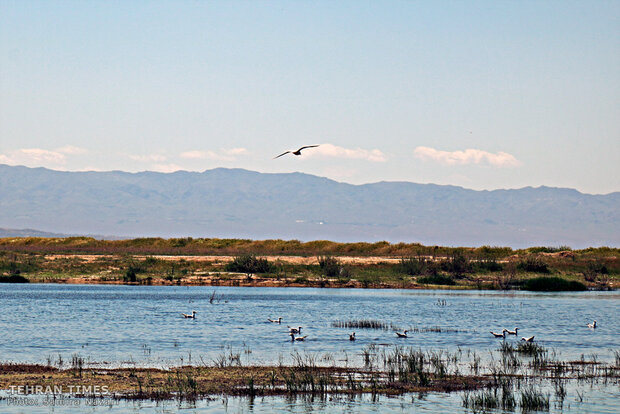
x=245 y=204
x=38 y=233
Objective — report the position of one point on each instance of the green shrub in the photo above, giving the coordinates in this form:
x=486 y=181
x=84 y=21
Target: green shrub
x=330 y=266
x=552 y=284
x=436 y=280
x=345 y=272
x=533 y=264
x=489 y=266
x=15 y=278
x=249 y=264
x=548 y=249
x=131 y=273
x=457 y=264
x=415 y=266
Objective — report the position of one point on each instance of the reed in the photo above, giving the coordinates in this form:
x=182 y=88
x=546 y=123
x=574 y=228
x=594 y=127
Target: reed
x=366 y=324
x=534 y=400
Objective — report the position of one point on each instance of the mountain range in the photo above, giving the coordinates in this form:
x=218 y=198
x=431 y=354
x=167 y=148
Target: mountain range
x=237 y=203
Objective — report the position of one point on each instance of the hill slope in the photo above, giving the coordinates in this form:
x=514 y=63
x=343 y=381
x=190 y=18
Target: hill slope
x=241 y=203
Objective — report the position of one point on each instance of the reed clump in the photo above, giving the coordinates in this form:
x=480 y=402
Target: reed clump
x=366 y=324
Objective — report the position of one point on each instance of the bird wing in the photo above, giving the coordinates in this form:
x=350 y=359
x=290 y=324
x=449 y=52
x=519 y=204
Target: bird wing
x=284 y=153
x=307 y=146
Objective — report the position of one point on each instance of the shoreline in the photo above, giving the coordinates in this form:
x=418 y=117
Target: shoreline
x=256 y=281
x=559 y=271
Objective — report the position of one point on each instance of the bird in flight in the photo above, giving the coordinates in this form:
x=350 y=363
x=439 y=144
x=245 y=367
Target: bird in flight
x=298 y=152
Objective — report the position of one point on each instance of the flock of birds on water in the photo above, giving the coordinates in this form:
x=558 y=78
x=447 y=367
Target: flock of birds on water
x=297 y=331
x=524 y=338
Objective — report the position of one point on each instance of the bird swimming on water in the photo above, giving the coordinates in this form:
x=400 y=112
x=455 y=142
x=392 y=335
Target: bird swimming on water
x=592 y=325
x=402 y=335
x=502 y=335
x=352 y=337
x=530 y=339
x=298 y=152
x=192 y=316
x=299 y=338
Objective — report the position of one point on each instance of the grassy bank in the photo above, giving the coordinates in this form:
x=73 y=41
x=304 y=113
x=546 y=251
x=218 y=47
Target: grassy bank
x=233 y=262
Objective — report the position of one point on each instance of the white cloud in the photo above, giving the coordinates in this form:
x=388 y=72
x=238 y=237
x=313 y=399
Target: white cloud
x=329 y=150
x=5 y=159
x=148 y=158
x=468 y=156
x=36 y=157
x=235 y=151
x=71 y=150
x=198 y=155
x=166 y=168
x=225 y=154
x=33 y=156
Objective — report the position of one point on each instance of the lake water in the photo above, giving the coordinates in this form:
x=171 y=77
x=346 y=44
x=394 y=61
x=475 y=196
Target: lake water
x=142 y=325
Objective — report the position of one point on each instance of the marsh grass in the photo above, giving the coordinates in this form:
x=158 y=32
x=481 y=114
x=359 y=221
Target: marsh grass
x=366 y=324
x=524 y=348
x=534 y=400
x=396 y=370
x=77 y=364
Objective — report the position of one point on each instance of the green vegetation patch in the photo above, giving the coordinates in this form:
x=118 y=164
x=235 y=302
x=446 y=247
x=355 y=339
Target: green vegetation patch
x=250 y=264
x=13 y=279
x=552 y=284
x=436 y=280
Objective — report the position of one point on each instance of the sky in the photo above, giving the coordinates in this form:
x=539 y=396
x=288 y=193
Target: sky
x=479 y=94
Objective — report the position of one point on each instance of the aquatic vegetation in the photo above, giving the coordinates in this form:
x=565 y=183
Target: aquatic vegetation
x=397 y=370
x=526 y=348
x=366 y=324
x=483 y=400
x=534 y=400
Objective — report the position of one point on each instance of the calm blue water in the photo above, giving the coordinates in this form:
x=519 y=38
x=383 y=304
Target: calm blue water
x=142 y=325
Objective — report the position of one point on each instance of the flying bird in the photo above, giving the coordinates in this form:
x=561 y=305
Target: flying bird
x=298 y=152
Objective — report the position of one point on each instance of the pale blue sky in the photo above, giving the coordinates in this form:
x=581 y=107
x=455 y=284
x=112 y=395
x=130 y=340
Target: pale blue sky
x=393 y=90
